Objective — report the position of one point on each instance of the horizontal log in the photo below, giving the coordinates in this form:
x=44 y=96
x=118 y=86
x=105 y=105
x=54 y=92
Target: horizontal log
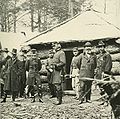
x=113 y=49
x=115 y=68
x=115 y=57
x=98 y=80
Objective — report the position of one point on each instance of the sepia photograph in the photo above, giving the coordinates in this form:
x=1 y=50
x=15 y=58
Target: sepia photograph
x=59 y=59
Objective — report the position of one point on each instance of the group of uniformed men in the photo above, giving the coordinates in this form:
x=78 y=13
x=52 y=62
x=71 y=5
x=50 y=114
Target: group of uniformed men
x=87 y=64
x=13 y=71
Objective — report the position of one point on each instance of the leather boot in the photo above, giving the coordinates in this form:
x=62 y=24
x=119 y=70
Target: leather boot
x=4 y=100
x=33 y=99
x=59 y=97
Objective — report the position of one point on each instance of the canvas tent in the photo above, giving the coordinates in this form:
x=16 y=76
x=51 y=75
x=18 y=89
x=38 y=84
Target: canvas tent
x=11 y=40
x=89 y=25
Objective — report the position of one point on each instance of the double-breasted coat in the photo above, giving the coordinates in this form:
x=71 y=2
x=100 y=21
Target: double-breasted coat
x=12 y=74
x=22 y=68
x=59 y=60
x=33 y=67
x=0 y=65
x=50 y=68
x=4 y=61
x=22 y=76
x=104 y=64
x=86 y=65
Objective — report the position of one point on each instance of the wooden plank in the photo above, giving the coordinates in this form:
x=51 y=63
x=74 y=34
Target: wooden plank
x=69 y=92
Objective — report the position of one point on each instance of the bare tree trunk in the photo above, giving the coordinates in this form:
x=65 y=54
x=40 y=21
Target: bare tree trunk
x=39 y=20
x=32 y=15
x=14 y=23
x=71 y=8
x=105 y=6
x=5 y=17
x=8 y=22
x=14 y=17
x=2 y=24
x=45 y=22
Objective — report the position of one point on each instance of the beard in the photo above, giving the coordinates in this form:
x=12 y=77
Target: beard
x=5 y=55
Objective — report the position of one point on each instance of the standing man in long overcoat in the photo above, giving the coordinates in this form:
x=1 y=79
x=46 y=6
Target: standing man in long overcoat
x=33 y=66
x=12 y=74
x=104 y=61
x=22 y=76
x=0 y=62
x=6 y=57
x=104 y=66
x=59 y=63
x=50 y=69
x=1 y=81
x=86 y=64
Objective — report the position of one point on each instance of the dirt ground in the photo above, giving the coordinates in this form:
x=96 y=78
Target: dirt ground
x=69 y=109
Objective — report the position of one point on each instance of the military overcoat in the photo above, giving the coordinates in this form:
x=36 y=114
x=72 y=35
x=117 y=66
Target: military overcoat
x=86 y=65
x=59 y=60
x=33 y=67
x=104 y=64
x=12 y=73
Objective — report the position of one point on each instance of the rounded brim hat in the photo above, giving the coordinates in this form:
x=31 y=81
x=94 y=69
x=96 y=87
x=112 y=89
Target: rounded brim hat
x=5 y=50
x=88 y=44
x=101 y=43
x=14 y=51
x=34 y=51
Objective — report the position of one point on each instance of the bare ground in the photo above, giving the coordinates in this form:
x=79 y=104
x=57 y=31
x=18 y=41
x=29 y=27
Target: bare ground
x=69 y=109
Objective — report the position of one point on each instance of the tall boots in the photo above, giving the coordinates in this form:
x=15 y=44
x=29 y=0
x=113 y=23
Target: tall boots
x=59 y=95
x=4 y=99
x=38 y=93
x=13 y=96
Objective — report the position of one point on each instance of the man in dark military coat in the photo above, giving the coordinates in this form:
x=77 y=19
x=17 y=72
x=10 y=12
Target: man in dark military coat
x=11 y=76
x=33 y=66
x=86 y=64
x=104 y=65
x=22 y=76
x=104 y=61
x=59 y=63
x=50 y=68
x=5 y=58
x=1 y=81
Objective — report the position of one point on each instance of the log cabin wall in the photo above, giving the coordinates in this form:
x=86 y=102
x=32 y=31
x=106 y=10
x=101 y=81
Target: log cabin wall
x=111 y=46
